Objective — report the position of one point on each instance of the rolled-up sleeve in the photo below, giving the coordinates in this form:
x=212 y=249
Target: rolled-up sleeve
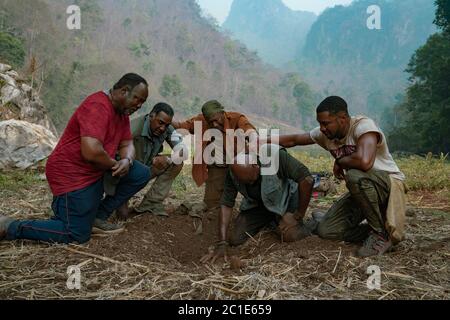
x=291 y=168
x=245 y=124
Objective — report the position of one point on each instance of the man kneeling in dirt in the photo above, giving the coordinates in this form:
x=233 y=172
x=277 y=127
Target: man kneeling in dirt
x=279 y=201
x=149 y=134
x=97 y=132
x=375 y=183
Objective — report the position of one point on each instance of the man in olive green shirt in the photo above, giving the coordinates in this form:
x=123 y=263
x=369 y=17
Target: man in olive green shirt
x=279 y=200
x=149 y=134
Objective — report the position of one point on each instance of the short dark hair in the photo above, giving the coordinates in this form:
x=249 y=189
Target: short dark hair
x=333 y=105
x=163 y=107
x=130 y=80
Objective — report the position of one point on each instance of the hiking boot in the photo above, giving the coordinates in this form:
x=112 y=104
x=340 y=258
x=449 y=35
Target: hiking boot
x=105 y=227
x=375 y=245
x=155 y=208
x=4 y=225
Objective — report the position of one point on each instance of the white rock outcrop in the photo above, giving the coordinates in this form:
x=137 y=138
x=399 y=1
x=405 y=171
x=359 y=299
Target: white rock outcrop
x=27 y=134
x=24 y=144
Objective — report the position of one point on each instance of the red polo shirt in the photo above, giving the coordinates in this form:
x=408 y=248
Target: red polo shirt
x=66 y=170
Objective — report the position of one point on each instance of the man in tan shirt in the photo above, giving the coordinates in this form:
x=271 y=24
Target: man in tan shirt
x=373 y=179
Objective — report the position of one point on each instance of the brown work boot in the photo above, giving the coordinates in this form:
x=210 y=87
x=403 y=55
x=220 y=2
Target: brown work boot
x=375 y=245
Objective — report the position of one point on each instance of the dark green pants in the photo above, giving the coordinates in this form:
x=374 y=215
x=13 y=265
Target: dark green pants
x=249 y=223
x=367 y=198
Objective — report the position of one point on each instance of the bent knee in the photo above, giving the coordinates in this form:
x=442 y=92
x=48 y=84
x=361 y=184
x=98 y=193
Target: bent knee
x=237 y=240
x=325 y=231
x=354 y=176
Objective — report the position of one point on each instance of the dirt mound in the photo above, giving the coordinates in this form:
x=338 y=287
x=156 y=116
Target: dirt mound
x=150 y=238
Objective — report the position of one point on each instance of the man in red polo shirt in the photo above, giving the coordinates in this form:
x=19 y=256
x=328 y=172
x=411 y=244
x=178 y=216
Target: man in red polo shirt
x=86 y=153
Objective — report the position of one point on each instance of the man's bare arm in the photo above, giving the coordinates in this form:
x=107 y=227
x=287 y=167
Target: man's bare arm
x=225 y=216
x=305 y=188
x=93 y=152
x=220 y=250
x=127 y=150
x=289 y=141
x=364 y=157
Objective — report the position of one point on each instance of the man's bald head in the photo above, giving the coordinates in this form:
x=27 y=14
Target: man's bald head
x=246 y=169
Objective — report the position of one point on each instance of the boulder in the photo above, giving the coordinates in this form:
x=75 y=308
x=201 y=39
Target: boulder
x=19 y=101
x=23 y=144
x=4 y=68
x=13 y=74
x=10 y=94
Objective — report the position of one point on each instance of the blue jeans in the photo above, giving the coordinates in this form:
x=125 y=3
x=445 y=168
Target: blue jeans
x=76 y=211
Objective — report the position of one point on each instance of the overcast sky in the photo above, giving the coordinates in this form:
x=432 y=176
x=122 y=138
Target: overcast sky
x=219 y=9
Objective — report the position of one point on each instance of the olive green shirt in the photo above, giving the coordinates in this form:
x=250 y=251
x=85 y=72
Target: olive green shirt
x=289 y=169
x=147 y=145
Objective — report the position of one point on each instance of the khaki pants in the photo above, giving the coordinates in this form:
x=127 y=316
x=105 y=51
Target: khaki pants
x=160 y=188
x=368 y=198
x=214 y=186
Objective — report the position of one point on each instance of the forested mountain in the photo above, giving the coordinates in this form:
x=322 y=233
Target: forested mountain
x=340 y=55
x=185 y=58
x=343 y=56
x=341 y=36
x=276 y=32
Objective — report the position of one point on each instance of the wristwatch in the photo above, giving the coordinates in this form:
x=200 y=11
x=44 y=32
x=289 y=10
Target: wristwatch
x=130 y=160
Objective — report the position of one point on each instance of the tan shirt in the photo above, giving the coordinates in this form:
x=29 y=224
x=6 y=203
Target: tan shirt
x=359 y=126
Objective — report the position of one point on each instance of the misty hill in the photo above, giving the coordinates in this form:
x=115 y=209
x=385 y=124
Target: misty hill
x=276 y=32
x=343 y=57
x=185 y=58
x=341 y=36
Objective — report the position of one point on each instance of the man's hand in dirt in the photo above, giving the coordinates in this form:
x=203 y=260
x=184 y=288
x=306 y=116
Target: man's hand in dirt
x=338 y=171
x=161 y=162
x=219 y=251
x=121 y=168
x=288 y=227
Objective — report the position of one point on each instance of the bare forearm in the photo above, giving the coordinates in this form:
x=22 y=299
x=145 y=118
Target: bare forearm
x=127 y=152
x=305 y=192
x=364 y=158
x=355 y=161
x=224 y=222
x=101 y=160
x=289 y=141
